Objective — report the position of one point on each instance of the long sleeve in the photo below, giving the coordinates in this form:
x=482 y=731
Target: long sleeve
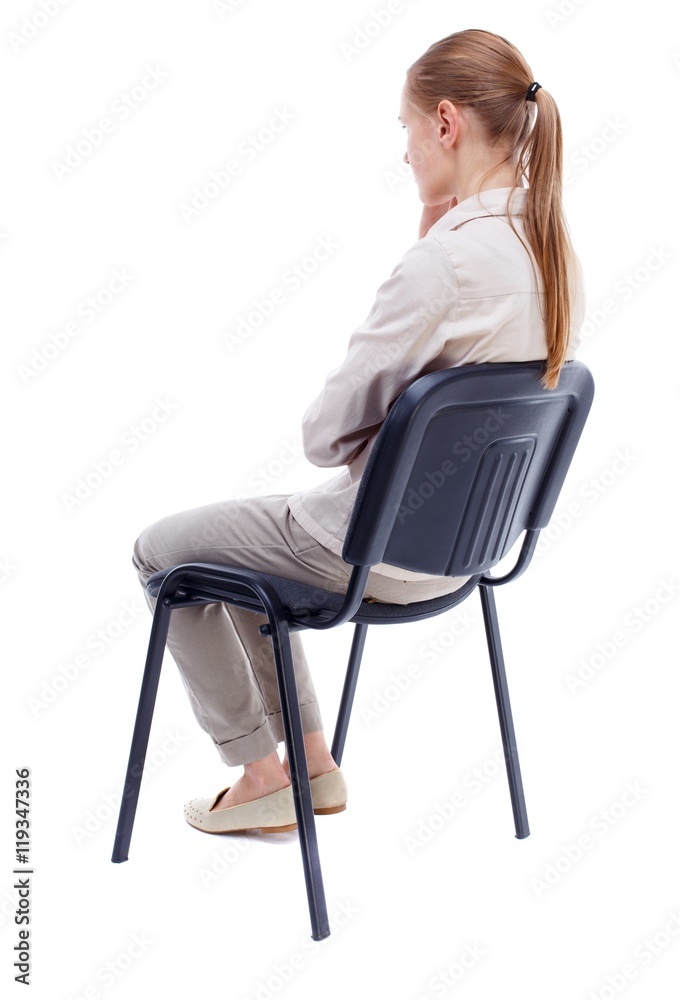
x=411 y=319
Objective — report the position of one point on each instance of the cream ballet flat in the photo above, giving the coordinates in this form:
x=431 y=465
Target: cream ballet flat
x=329 y=792
x=274 y=813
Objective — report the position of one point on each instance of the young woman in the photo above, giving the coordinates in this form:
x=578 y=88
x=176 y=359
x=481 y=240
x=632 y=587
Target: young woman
x=491 y=278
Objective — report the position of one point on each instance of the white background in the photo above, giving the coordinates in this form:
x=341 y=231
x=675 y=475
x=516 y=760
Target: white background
x=531 y=917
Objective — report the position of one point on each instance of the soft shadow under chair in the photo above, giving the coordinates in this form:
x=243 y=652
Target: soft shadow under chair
x=467 y=460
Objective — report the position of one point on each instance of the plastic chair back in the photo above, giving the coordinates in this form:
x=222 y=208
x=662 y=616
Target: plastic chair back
x=466 y=460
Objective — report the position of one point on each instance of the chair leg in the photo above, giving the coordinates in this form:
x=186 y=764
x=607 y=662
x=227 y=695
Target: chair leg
x=299 y=775
x=348 y=690
x=140 y=736
x=500 y=684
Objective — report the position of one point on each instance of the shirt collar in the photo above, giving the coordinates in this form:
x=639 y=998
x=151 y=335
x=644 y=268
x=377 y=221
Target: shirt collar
x=492 y=202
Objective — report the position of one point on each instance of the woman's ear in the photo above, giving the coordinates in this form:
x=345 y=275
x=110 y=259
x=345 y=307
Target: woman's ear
x=448 y=126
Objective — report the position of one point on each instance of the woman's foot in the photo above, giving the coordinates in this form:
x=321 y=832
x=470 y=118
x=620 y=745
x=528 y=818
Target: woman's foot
x=271 y=813
x=268 y=775
x=329 y=791
x=260 y=778
x=319 y=759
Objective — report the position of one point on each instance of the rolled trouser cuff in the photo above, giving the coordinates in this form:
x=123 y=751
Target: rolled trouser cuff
x=266 y=738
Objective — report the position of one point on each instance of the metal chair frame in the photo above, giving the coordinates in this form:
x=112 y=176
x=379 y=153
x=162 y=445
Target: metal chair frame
x=491 y=518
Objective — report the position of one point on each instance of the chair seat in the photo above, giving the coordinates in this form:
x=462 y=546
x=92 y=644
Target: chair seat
x=302 y=600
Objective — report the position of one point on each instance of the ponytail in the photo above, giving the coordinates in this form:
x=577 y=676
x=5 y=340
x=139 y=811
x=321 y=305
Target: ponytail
x=486 y=73
x=540 y=160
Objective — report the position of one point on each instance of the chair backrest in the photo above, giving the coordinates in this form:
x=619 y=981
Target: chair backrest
x=466 y=460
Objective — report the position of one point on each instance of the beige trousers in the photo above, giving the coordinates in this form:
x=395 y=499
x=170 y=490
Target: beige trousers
x=226 y=665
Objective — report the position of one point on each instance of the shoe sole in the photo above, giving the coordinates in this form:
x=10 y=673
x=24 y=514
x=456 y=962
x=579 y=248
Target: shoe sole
x=327 y=811
x=249 y=829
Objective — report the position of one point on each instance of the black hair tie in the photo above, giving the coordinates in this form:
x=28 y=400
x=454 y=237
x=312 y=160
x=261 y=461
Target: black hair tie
x=531 y=92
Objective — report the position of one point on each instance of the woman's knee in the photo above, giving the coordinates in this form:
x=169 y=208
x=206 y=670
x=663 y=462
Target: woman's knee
x=170 y=540
x=142 y=551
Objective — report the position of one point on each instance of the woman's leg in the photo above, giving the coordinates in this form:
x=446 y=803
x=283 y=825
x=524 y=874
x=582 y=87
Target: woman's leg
x=227 y=667
x=261 y=777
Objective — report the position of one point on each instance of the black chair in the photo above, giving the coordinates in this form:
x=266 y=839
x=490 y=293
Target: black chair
x=467 y=460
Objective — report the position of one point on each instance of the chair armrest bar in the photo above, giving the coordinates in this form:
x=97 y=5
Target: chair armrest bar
x=350 y=605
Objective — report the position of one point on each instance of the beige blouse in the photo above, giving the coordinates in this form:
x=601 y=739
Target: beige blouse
x=463 y=294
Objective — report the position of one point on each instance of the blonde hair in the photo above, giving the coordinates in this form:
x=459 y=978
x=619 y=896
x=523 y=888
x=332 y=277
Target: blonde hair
x=484 y=72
